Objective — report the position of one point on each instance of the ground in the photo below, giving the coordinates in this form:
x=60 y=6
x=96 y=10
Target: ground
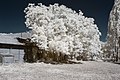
x=91 y=70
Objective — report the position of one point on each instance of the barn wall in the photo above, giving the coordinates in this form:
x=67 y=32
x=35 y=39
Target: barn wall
x=18 y=53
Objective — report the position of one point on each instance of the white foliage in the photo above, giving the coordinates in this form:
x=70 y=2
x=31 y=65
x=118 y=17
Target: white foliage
x=62 y=29
x=114 y=30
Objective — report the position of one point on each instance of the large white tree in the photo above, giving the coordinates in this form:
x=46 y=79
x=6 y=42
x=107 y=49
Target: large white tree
x=56 y=27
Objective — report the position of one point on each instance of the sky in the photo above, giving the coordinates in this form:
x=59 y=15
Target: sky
x=12 y=13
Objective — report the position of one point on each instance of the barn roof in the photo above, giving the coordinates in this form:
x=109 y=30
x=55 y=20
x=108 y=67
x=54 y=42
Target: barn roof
x=6 y=39
x=12 y=38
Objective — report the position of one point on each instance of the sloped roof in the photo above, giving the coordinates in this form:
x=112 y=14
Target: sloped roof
x=12 y=37
x=7 y=39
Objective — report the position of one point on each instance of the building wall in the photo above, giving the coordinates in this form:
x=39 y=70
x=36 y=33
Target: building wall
x=18 y=53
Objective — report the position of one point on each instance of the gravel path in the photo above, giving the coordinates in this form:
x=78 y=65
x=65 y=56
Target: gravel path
x=39 y=71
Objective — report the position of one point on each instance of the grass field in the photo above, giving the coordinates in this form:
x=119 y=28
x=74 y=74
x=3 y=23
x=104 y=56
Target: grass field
x=90 y=70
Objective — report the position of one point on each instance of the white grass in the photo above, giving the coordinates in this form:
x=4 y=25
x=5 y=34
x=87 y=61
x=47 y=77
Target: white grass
x=40 y=71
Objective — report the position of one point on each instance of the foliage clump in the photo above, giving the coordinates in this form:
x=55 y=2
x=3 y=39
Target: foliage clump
x=63 y=30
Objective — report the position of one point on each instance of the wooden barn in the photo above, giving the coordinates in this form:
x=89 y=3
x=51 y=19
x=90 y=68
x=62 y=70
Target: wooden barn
x=10 y=47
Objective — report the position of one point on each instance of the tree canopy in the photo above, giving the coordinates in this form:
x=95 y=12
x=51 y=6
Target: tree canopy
x=56 y=27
